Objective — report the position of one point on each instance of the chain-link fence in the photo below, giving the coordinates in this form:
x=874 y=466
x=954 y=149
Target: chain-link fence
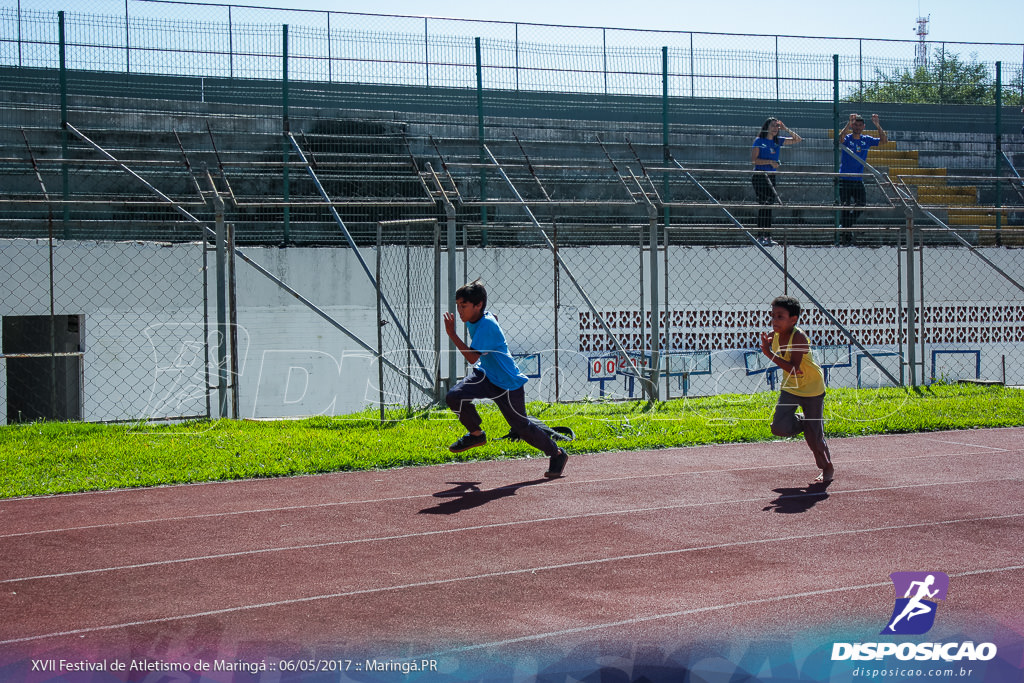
x=713 y=301
x=227 y=42
x=103 y=331
x=953 y=117
x=598 y=180
x=408 y=273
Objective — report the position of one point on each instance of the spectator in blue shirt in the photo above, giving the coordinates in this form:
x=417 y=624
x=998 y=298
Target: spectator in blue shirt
x=851 y=168
x=764 y=154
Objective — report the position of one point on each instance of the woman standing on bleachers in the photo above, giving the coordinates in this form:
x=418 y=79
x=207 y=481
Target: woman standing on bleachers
x=764 y=154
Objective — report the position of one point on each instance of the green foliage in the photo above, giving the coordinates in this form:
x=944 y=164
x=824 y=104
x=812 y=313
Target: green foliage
x=946 y=80
x=56 y=457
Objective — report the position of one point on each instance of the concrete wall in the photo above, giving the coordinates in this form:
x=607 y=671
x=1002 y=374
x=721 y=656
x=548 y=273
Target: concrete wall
x=144 y=339
x=143 y=325
x=297 y=364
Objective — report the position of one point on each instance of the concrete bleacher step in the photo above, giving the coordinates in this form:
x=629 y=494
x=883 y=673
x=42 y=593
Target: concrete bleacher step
x=957 y=195
x=913 y=173
x=989 y=235
x=888 y=156
x=987 y=217
x=932 y=188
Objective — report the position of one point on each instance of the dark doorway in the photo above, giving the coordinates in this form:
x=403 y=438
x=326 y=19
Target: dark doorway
x=41 y=386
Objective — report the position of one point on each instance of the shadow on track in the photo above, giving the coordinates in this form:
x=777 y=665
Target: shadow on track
x=799 y=499
x=467 y=495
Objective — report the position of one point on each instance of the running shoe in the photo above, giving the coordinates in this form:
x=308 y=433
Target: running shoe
x=468 y=441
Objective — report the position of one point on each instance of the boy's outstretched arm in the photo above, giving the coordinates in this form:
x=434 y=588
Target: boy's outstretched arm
x=469 y=354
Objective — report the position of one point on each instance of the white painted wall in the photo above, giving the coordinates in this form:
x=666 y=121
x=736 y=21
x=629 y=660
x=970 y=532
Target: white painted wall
x=144 y=336
x=142 y=303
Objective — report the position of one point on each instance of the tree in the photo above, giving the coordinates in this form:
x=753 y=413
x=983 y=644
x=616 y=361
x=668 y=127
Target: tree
x=947 y=79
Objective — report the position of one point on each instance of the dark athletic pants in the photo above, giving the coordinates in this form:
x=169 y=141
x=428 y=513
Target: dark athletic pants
x=812 y=423
x=851 y=193
x=764 y=188
x=512 y=405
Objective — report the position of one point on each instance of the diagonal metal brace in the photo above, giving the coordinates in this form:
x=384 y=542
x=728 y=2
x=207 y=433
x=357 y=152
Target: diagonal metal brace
x=359 y=257
x=795 y=282
x=645 y=382
x=910 y=200
x=429 y=391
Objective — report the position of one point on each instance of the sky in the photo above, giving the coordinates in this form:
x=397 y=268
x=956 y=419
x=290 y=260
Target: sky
x=998 y=21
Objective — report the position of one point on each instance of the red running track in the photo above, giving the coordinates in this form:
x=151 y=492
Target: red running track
x=652 y=564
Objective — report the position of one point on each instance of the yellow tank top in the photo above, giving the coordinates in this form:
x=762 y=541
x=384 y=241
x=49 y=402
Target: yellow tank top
x=812 y=382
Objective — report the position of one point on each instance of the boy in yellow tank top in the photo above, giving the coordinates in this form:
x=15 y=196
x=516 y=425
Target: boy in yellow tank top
x=803 y=384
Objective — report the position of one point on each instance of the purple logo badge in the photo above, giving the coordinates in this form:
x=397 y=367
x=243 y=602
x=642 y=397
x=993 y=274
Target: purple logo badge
x=917 y=594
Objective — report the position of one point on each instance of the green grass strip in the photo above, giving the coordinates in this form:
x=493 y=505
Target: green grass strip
x=52 y=457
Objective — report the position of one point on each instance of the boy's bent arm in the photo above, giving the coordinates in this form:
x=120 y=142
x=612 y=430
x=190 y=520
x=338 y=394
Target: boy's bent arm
x=799 y=345
x=469 y=354
x=786 y=365
x=883 y=137
x=796 y=356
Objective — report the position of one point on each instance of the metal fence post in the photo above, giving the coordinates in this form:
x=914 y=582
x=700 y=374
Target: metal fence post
x=664 y=130
x=999 y=153
x=557 y=305
x=437 y=311
x=20 y=64
x=642 y=291
x=517 y=56
x=127 y=42
x=693 y=84
x=232 y=320
x=655 y=326
x=604 y=57
x=667 y=332
x=911 y=304
x=380 y=328
x=408 y=319
x=222 y=318
x=942 y=74
x=231 y=45
x=449 y=210
x=778 y=92
x=64 y=179
x=286 y=129
x=480 y=136
x=860 y=70
x=836 y=142
x=899 y=301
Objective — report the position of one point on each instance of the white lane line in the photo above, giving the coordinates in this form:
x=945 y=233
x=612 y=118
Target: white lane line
x=494 y=525
x=376 y=501
x=689 y=612
x=998 y=449
x=502 y=574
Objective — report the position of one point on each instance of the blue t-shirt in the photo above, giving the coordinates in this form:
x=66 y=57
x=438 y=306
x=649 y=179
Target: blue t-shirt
x=859 y=147
x=768 y=149
x=495 y=360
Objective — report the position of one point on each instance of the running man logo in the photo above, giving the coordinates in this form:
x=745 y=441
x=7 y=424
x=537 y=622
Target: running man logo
x=917 y=594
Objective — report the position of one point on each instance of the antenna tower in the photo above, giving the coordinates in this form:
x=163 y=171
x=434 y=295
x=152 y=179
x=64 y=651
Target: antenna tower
x=921 y=49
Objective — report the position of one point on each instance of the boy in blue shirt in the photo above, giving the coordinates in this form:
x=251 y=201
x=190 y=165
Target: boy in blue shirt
x=851 y=184
x=494 y=376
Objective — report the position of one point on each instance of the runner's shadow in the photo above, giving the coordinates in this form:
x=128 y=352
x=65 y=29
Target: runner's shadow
x=797 y=500
x=467 y=495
